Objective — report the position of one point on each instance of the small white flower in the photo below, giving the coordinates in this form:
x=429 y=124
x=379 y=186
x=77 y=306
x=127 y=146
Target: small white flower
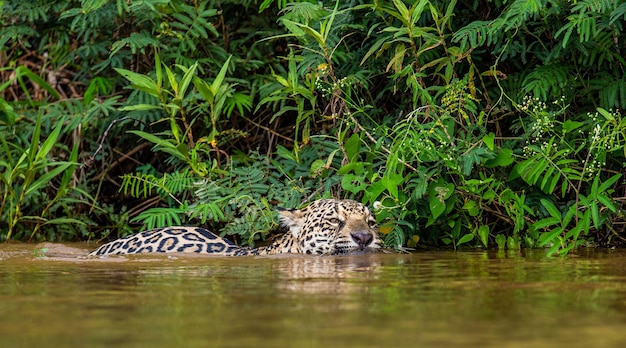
x=378 y=206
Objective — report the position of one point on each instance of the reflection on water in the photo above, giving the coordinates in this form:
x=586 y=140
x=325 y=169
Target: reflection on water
x=427 y=299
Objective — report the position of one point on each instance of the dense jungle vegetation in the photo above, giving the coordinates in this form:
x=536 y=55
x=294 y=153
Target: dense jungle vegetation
x=461 y=123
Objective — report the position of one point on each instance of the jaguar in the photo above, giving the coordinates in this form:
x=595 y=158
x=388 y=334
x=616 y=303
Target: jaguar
x=325 y=227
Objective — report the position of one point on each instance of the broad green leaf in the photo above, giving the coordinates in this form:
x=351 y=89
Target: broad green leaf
x=286 y=154
x=158 y=68
x=397 y=60
x=570 y=125
x=466 y=238
x=472 y=208
x=157 y=141
x=186 y=80
x=90 y=6
x=50 y=142
x=24 y=71
x=34 y=144
x=607 y=115
x=64 y=220
x=418 y=9
x=436 y=205
x=219 y=79
x=438 y=63
x=327 y=25
x=171 y=78
x=140 y=82
x=536 y=170
x=607 y=202
x=356 y=167
x=609 y=182
x=595 y=214
x=553 y=249
x=373 y=191
x=574 y=232
x=204 y=89
x=568 y=28
x=67 y=175
x=549 y=221
x=376 y=47
x=353 y=183
x=329 y=160
x=548 y=237
x=391 y=183
x=317 y=167
x=504 y=157
x=139 y=107
x=512 y=243
x=551 y=208
x=552 y=184
x=438 y=193
x=501 y=241
x=403 y=12
x=569 y=215
x=352 y=146
x=489 y=140
x=7 y=113
x=175 y=130
x=47 y=177
x=546 y=183
x=483 y=234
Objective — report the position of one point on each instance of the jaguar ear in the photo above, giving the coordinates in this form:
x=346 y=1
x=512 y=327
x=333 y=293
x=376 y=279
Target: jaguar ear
x=292 y=219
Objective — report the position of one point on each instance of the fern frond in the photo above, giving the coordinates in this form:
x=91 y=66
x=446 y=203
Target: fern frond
x=266 y=3
x=206 y=211
x=246 y=181
x=547 y=80
x=137 y=42
x=586 y=18
x=160 y=217
x=193 y=23
x=598 y=6
x=138 y=185
x=546 y=170
x=612 y=93
x=519 y=11
x=141 y=185
x=601 y=50
x=303 y=12
x=177 y=182
x=475 y=34
x=619 y=12
x=208 y=191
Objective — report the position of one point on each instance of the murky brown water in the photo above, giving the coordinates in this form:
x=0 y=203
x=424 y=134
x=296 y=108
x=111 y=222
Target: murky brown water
x=428 y=299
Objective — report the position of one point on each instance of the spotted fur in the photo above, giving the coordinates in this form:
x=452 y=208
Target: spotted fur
x=326 y=227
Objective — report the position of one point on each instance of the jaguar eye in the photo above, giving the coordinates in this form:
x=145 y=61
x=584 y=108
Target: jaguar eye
x=371 y=223
x=334 y=221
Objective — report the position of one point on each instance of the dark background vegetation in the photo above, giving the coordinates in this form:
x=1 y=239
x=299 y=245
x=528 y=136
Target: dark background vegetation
x=460 y=123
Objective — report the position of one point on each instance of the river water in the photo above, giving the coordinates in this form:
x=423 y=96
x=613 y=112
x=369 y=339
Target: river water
x=51 y=296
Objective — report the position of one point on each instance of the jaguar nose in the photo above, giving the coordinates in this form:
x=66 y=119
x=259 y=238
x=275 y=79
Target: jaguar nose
x=361 y=238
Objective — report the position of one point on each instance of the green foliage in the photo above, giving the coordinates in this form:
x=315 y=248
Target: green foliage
x=27 y=169
x=416 y=45
x=588 y=39
x=177 y=101
x=236 y=202
x=563 y=229
x=462 y=124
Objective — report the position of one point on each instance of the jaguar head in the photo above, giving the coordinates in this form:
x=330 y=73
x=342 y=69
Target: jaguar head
x=332 y=227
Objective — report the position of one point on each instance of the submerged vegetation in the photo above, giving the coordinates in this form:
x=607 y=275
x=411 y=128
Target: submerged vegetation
x=480 y=123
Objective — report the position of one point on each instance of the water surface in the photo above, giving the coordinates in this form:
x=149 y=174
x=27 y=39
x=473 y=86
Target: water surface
x=426 y=299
